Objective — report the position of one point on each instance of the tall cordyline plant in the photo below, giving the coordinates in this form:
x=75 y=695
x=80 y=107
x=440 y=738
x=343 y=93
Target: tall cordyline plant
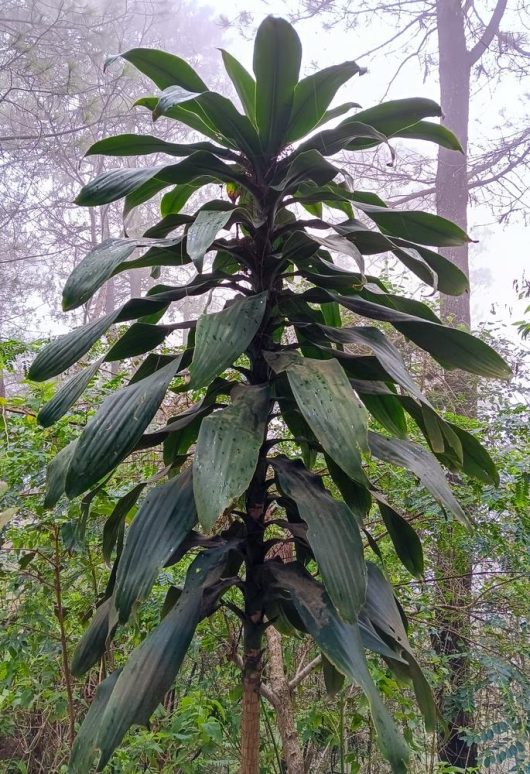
x=276 y=350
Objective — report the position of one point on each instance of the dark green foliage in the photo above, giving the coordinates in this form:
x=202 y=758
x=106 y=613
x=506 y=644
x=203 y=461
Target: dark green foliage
x=326 y=395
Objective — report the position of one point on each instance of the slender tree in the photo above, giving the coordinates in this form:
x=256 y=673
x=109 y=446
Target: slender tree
x=275 y=376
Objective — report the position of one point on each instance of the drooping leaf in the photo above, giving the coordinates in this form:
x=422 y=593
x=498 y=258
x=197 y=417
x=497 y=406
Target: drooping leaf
x=277 y=58
x=387 y=354
x=341 y=644
x=330 y=407
x=139 y=338
x=421 y=227
x=333 y=679
x=314 y=94
x=332 y=533
x=427 y=130
x=152 y=667
x=68 y=349
x=66 y=396
x=163 y=521
x=423 y=464
x=116 y=428
x=172 y=96
x=91 y=646
x=451 y=280
x=227 y=451
x=395 y=115
x=84 y=747
x=56 y=474
x=382 y=611
x=173 y=201
x=203 y=231
x=114 y=523
x=356 y=496
x=148 y=674
x=404 y=537
x=222 y=336
x=332 y=141
x=453 y=348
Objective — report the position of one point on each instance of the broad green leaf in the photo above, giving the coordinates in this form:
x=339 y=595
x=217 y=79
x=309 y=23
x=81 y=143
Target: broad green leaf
x=84 y=747
x=404 y=537
x=332 y=141
x=314 y=94
x=227 y=451
x=330 y=407
x=356 y=496
x=173 y=201
x=56 y=474
x=116 y=428
x=387 y=354
x=451 y=280
x=148 y=675
x=100 y=264
x=117 y=183
x=427 y=130
x=387 y=410
x=421 y=227
x=423 y=464
x=451 y=347
x=203 y=232
x=66 y=350
x=164 y=519
x=333 y=679
x=243 y=82
x=395 y=115
x=277 y=59
x=341 y=644
x=171 y=96
x=94 y=270
x=310 y=165
x=332 y=533
x=336 y=112
x=235 y=128
x=476 y=460
x=153 y=666
x=222 y=336
x=144 y=144
x=162 y=68
x=340 y=245
x=114 y=523
x=139 y=338
x=67 y=395
x=91 y=646
x=382 y=611
x=461 y=450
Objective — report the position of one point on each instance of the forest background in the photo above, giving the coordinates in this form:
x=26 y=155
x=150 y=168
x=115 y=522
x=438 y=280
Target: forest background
x=55 y=101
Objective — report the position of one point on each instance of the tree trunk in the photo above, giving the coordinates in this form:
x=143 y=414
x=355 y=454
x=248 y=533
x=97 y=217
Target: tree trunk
x=452 y=194
x=250 y=710
x=283 y=705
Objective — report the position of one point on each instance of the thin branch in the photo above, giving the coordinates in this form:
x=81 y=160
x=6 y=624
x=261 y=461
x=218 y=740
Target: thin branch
x=302 y=673
x=489 y=33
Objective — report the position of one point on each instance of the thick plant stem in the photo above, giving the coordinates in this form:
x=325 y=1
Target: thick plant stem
x=250 y=709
